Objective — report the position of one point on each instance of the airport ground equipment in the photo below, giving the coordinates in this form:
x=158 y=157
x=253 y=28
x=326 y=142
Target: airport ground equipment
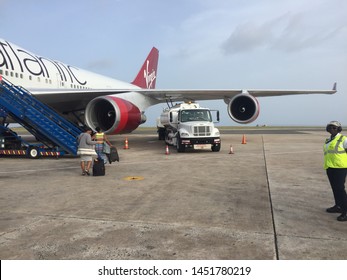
x=52 y=130
x=187 y=125
x=13 y=145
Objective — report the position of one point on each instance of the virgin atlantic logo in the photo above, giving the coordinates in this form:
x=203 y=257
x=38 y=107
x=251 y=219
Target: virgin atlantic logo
x=149 y=77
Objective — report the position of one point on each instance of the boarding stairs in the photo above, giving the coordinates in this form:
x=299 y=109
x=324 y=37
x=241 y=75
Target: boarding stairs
x=40 y=120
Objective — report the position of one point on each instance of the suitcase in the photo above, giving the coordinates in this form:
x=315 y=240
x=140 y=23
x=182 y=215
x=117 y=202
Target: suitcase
x=113 y=155
x=99 y=167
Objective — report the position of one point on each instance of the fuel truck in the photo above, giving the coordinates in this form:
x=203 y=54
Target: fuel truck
x=187 y=125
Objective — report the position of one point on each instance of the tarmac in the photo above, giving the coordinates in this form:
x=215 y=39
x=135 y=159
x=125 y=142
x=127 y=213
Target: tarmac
x=266 y=201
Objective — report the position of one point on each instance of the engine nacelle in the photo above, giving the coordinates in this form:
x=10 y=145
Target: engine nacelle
x=113 y=115
x=243 y=108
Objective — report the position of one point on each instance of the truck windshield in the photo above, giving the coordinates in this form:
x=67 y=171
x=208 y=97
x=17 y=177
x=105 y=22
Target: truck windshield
x=195 y=115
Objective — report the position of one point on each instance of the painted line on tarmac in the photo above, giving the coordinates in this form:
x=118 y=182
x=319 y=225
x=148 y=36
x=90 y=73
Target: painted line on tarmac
x=179 y=159
x=35 y=170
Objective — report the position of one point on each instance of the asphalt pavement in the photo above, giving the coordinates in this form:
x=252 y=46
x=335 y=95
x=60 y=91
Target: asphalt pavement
x=265 y=201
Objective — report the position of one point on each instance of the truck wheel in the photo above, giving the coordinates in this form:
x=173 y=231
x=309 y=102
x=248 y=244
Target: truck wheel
x=167 y=140
x=33 y=152
x=161 y=134
x=215 y=148
x=180 y=147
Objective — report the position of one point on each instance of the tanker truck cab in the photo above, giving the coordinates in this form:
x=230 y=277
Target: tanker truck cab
x=188 y=125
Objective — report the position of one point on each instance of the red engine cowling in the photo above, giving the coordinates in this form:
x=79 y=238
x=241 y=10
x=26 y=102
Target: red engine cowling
x=243 y=108
x=113 y=115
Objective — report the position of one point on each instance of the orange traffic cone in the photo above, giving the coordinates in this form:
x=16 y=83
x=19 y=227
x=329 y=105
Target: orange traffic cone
x=231 y=150
x=167 y=152
x=243 y=139
x=126 y=143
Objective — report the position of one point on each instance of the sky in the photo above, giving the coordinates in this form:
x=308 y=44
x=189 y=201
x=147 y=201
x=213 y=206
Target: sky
x=203 y=44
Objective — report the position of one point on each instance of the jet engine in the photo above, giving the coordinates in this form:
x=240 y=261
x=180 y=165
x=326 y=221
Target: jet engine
x=243 y=108
x=113 y=115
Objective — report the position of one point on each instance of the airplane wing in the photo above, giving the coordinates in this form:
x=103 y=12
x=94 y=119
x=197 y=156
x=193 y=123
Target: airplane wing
x=80 y=98
x=114 y=111
x=68 y=100
x=226 y=94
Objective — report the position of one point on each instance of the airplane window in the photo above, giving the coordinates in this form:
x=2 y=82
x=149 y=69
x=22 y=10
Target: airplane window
x=0 y=72
x=30 y=78
x=16 y=75
x=21 y=76
x=6 y=73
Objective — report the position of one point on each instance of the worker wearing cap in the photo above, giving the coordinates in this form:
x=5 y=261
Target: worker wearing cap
x=335 y=163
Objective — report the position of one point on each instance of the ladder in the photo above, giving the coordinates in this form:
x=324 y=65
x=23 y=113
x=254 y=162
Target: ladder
x=40 y=120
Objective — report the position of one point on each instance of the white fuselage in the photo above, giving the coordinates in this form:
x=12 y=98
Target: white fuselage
x=41 y=75
x=31 y=71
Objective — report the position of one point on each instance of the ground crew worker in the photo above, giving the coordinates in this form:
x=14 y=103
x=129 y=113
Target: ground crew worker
x=335 y=163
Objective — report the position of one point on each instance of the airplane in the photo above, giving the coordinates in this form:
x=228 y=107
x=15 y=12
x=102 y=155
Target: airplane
x=115 y=106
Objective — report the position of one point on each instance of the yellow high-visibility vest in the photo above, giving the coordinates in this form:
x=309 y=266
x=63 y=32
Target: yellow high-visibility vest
x=335 y=155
